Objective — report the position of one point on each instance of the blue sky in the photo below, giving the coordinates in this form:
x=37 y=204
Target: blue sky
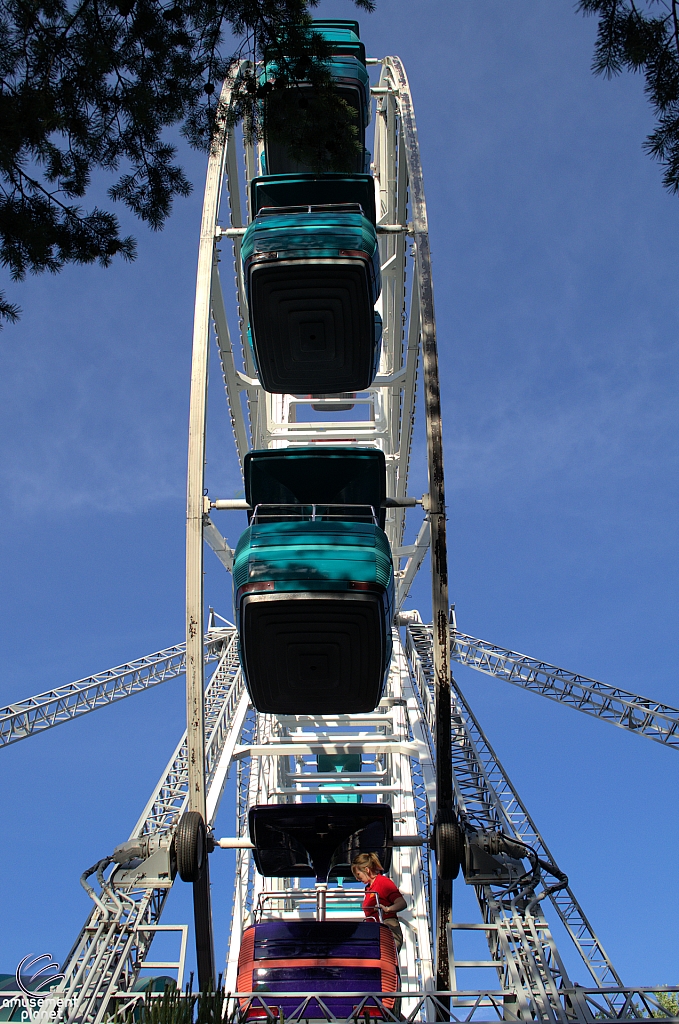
x=555 y=268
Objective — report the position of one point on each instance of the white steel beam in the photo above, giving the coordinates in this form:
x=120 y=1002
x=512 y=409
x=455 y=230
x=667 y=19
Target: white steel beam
x=195 y=505
x=395 y=79
x=640 y=715
x=218 y=543
x=36 y=714
x=415 y=559
x=232 y=383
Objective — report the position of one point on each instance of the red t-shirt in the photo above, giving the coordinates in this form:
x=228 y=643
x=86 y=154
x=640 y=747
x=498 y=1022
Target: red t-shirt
x=381 y=889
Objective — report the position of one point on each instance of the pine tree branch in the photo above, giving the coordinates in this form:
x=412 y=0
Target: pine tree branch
x=632 y=36
x=88 y=86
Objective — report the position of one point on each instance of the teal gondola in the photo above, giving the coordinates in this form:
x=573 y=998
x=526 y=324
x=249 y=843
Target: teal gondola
x=313 y=581
x=348 y=69
x=315 y=189
x=328 y=763
x=343 y=34
x=312 y=277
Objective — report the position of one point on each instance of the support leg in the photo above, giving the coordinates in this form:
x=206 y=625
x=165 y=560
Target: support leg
x=202 y=916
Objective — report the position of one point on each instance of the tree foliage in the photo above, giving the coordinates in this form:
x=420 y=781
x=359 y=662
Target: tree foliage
x=177 y=1007
x=91 y=86
x=669 y=1005
x=643 y=37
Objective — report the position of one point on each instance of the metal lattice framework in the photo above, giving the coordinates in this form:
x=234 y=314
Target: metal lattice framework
x=398 y=745
x=421 y=750
x=482 y=1006
x=650 y=718
x=487 y=799
x=101 y=969
x=281 y=766
x=45 y=710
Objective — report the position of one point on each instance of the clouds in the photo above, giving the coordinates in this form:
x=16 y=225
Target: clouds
x=94 y=393
x=592 y=431
x=94 y=445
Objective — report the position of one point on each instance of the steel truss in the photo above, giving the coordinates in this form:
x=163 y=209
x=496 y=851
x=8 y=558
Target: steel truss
x=45 y=710
x=383 y=417
x=263 y=420
x=641 y=715
x=518 y=936
x=114 y=943
x=100 y=971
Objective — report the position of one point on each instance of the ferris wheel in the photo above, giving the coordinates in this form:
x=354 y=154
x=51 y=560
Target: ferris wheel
x=335 y=710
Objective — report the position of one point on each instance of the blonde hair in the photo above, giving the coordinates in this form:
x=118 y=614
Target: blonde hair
x=368 y=862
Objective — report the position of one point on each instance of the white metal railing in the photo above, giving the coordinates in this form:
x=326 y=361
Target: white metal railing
x=481 y=1006
x=315 y=512
x=278 y=903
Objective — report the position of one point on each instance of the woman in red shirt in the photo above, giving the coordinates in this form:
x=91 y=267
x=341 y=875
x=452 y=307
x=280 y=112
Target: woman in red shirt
x=380 y=892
